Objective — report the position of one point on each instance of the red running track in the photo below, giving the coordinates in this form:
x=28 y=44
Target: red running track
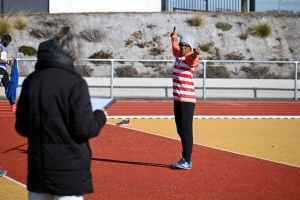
x=208 y=108
x=129 y=164
x=203 y=108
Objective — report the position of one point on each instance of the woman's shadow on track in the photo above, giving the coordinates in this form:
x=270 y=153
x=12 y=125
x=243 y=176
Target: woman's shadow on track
x=131 y=162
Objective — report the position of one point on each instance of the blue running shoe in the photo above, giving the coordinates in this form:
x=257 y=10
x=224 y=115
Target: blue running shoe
x=2 y=172
x=182 y=164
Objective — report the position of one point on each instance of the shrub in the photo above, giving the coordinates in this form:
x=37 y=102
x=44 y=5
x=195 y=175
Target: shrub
x=262 y=30
x=234 y=56
x=137 y=35
x=150 y=25
x=58 y=21
x=162 y=69
x=84 y=70
x=224 y=26
x=205 y=47
x=20 y=22
x=6 y=25
x=153 y=65
x=198 y=73
x=196 y=20
x=93 y=35
x=148 y=75
x=101 y=55
x=156 y=51
x=126 y=71
x=157 y=39
x=217 y=72
x=141 y=44
x=258 y=72
x=28 y=50
x=44 y=33
x=166 y=73
x=129 y=43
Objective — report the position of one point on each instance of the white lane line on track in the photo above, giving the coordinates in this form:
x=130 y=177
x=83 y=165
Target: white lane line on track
x=203 y=117
x=15 y=181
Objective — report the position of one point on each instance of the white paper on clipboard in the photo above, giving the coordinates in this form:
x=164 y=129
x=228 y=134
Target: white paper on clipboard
x=99 y=103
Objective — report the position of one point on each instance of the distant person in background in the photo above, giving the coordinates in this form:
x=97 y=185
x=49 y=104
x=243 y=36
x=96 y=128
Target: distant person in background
x=5 y=41
x=54 y=112
x=187 y=60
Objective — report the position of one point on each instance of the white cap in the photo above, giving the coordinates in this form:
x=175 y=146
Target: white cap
x=187 y=39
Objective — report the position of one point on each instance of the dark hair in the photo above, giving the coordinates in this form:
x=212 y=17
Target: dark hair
x=6 y=37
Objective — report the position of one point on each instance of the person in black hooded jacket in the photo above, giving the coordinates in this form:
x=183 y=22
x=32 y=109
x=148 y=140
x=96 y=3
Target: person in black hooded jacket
x=54 y=112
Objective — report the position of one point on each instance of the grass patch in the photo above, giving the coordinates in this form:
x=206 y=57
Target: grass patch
x=224 y=26
x=196 y=20
x=20 y=22
x=6 y=25
x=205 y=47
x=28 y=50
x=93 y=35
x=262 y=30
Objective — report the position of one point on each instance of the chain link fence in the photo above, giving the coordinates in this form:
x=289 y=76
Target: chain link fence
x=251 y=79
x=213 y=79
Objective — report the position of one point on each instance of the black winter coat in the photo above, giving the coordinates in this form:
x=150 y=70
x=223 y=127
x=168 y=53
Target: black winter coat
x=55 y=114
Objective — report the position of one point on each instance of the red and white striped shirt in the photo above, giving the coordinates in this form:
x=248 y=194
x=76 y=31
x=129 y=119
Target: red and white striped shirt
x=183 y=71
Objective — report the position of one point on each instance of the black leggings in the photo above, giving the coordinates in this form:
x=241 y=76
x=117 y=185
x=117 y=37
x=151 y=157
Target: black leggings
x=184 y=115
x=4 y=80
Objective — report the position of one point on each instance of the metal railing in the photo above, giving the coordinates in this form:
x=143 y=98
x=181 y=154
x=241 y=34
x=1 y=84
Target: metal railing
x=215 y=79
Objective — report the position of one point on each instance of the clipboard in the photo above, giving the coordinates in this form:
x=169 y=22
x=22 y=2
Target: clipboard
x=99 y=103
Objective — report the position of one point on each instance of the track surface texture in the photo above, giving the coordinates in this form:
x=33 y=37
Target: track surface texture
x=133 y=164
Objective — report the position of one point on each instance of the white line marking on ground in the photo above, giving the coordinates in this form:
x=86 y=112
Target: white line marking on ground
x=203 y=117
x=15 y=181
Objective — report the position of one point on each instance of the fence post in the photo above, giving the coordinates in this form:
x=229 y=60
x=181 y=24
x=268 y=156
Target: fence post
x=111 y=78
x=166 y=91
x=204 y=79
x=296 y=77
x=244 y=6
